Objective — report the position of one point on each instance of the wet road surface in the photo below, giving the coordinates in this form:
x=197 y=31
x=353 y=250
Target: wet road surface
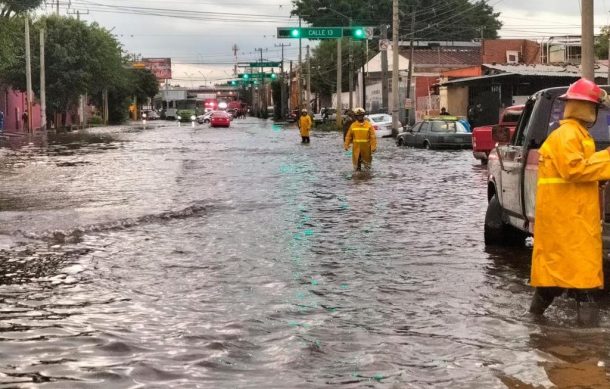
x=238 y=258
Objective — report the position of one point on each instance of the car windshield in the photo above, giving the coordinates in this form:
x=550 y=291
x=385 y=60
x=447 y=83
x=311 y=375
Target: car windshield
x=378 y=119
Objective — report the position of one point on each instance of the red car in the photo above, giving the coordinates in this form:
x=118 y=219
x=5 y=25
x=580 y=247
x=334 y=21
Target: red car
x=220 y=119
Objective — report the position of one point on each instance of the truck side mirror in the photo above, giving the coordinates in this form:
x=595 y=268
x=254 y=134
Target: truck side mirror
x=500 y=134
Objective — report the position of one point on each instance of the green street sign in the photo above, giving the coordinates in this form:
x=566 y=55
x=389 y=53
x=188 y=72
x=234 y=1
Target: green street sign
x=264 y=64
x=321 y=32
x=249 y=76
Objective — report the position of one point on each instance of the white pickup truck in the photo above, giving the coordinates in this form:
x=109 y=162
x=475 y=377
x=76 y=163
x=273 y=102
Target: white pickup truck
x=512 y=169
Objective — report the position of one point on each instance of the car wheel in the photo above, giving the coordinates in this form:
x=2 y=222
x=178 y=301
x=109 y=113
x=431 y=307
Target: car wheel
x=427 y=145
x=496 y=231
x=399 y=142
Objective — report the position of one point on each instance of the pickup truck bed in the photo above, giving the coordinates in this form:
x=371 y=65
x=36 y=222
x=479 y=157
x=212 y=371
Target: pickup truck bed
x=482 y=142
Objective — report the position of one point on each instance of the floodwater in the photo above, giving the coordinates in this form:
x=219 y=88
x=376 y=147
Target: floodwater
x=181 y=257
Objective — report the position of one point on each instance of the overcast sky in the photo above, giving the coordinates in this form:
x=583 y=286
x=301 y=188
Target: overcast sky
x=199 y=34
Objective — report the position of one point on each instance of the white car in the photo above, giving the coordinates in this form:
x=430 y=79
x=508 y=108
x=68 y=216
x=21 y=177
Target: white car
x=383 y=124
x=205 y=118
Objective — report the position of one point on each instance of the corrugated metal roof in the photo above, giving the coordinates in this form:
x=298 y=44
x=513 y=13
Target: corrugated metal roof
x=538 y=70
x=445 y=56
x=601 y=70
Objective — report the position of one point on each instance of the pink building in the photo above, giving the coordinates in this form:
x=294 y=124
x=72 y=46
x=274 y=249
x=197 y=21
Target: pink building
x=13 y=103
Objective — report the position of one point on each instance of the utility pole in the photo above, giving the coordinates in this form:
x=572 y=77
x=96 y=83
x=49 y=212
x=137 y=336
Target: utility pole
x=235 y=50
x=395 y=69
x=308 y=81
x=290 y=90
x=339 y=81
x=351 y=69
x=43 y=93
x=283 y=85
x=28 y=73
x=608 y=81
x=384 y=71
x=299 y=83
x=58 y=7
x=410 y=75
x=587 y=39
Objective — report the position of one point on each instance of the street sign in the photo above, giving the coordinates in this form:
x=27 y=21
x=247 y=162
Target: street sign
x=264 y=64
x=321 y=32
x=246 y=76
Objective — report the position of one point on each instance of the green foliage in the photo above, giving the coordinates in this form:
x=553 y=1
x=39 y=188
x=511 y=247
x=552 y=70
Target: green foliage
x=10 y=8
x=601 y=43
x=434 y=19
x=80 y=59
x=145 y=84
x=96 y=120
x=11 y=32
x=324 y=64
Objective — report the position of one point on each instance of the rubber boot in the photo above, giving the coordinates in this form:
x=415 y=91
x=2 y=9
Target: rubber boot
x=587 y=314
x=539 y=304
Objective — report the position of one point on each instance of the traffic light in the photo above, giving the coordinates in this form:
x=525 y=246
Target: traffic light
x=273 y=76
x=288 y=32
x=245 y=76
x=354 y=32
x=233 y=82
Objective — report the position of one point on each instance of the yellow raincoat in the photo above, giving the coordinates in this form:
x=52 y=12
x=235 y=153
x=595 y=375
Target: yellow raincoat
x=567 y=230
x=362 y=134
x=305 y=124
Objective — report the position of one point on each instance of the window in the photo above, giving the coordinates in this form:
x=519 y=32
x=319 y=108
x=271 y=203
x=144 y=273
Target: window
x=425 y=127
x=417 y=127
x=443 y=126
x=512 y=56
x=600 y=130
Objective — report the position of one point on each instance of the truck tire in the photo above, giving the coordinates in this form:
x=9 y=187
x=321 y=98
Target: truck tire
x=496 y=231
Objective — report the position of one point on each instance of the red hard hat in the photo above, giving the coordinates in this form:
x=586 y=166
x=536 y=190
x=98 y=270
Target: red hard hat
x=585 y=90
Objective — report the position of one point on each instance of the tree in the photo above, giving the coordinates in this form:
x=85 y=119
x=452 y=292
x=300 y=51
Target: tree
x=601 y=43
x=144 y=84
x=434 y=19
x=10 y=8
x=71 y=70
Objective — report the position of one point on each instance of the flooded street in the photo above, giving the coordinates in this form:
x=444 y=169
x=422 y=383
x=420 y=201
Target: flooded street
x=238 y=258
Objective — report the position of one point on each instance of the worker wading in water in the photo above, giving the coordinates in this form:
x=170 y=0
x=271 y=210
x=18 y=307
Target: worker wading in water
x=567 y=233
x=304 y=125
x=362 y=134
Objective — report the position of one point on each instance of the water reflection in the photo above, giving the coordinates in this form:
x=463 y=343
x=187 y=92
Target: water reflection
x=186 y=257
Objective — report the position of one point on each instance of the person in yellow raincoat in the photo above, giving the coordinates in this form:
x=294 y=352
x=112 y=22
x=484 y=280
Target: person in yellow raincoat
x=567 y=231
x=304 y=124
x=362 y=134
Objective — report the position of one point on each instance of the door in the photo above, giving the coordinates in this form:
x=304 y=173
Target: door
x=512 y=161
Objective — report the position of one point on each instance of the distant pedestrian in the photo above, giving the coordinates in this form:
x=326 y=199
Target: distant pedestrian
x=444 y=112
x=24 y=119
x=304 y=124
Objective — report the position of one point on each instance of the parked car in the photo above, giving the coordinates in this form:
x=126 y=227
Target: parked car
x=293 y=116
x=383 y=124
x=151 y=115
x=442 y=132
x=512 y=169
x=482 y=142
x=205 y=118
x=220 y=119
